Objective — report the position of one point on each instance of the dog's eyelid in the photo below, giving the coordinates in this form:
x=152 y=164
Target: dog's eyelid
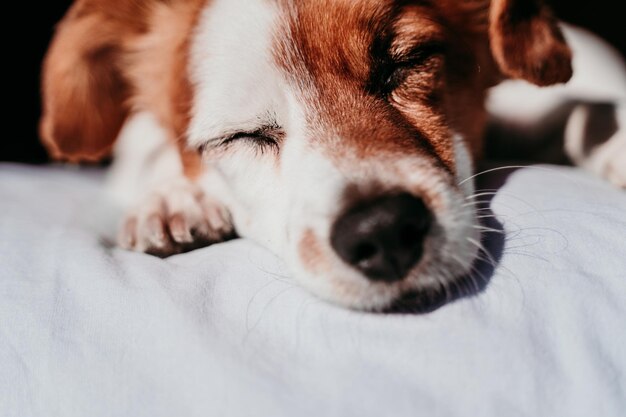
x=259 y=138
x=269 y=132
x=418 y=53
x=399 y=63
x=264 y=136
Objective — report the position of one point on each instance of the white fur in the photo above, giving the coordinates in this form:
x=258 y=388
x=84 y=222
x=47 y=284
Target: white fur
x=176 y=214
x=236 y=83
x=144 y=159
x=147 y=180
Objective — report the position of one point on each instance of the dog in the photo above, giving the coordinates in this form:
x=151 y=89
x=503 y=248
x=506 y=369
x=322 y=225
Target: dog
x=340 y=134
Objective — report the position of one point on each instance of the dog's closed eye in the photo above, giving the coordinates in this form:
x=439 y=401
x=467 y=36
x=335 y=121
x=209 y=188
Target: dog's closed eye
x=259 y=139
x=262 y=139
x=394 y=70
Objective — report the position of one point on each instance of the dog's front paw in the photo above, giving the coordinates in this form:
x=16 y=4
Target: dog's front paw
x=595 y=139
x=176 y=218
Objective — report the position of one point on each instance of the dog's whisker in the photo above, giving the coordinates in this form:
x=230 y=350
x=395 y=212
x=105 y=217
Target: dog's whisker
x=483 y=251
x=482 y=194
x=499 y=193
x=529 y=255
x=492 y=170
x=473 y=285
x=489 y=230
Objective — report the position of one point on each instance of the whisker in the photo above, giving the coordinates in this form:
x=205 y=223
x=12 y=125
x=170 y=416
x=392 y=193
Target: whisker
x=502 y=194
x=489 y=230
x=492 y=170
x=492 y=263
x=487 y=216
x=473 y=286
x=482 y=194
x=484 y=251
x=555 y=171
x=528 y=255
x=445 y=284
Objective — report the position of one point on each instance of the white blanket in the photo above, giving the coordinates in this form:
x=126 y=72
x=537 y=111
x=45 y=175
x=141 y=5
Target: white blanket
x=89 y=330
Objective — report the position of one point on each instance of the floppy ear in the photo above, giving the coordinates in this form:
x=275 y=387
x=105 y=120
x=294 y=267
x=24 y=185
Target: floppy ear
x=527 y=43
x=84 y=92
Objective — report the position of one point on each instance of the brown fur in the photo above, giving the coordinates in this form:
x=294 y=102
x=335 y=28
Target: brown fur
x=108 y=58
x=311 y=252
x=527 y=43
x=446 y=90
x=84 y=91
x=340 y=85
x=111 y=57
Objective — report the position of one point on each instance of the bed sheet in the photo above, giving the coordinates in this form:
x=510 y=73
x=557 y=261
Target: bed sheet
x=87 y=329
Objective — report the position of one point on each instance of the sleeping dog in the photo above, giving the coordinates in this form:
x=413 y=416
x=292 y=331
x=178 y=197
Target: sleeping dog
x=340 y=134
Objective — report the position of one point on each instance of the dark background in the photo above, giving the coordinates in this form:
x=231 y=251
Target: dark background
x=35 y=20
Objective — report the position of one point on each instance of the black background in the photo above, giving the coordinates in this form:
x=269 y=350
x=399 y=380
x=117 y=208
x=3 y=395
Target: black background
x=34 y=22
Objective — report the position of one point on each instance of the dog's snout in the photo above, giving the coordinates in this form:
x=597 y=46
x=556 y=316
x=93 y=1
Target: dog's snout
x=383 y=238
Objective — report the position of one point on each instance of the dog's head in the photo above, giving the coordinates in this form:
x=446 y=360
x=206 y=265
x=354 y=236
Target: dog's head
x=345 y=130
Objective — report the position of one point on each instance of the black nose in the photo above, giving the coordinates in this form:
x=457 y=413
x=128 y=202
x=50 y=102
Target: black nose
x=383 y=238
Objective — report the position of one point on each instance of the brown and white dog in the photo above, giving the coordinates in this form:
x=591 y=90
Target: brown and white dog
x=341 y=134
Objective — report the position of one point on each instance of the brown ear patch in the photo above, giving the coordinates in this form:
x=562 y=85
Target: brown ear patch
x=111 y=57
x=84 y=107
x=527 y=43
x=84 y=92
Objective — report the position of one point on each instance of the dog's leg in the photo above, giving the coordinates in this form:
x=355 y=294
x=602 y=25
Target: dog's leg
x=595 y=139
x=167 y=213
x=595 y=136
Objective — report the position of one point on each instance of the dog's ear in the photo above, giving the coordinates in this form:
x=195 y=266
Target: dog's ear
x=526 y=42
x=85 y=96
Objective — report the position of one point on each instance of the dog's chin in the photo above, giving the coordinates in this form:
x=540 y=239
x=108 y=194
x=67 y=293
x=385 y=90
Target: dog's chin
x=423 y=291
x=422 y=301
x=417 y=294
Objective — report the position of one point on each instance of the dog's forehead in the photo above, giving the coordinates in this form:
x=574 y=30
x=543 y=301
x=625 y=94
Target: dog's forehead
x=231 y=67
x=235 y=56
x=330 y=36
x=247 y=55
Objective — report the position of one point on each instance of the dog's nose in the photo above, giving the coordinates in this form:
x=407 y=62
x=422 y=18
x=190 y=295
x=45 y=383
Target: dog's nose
x=383 y=238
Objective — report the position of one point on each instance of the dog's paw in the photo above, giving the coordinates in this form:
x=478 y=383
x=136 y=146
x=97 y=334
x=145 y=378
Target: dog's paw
x=176 y=218
x=609 y=162
x=595 y=139
x=615 y=166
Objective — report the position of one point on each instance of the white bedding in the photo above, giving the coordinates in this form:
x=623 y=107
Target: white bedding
x=89 y=330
